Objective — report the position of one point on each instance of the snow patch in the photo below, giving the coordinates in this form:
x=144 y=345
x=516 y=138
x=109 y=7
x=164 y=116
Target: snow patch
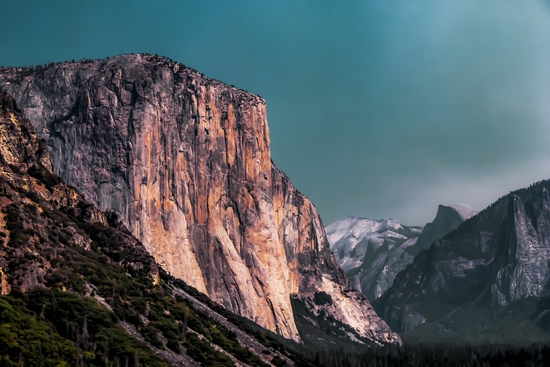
x=410 y=242
x=465 y=211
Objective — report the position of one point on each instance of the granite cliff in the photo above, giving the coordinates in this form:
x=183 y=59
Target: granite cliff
x=487 y=280
x=184 y=162
x=76 y=288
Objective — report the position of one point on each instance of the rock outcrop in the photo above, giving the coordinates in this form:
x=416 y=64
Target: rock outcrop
x=487 y=280
x=185 y=163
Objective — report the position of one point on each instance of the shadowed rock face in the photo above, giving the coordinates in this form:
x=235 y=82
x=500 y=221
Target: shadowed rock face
x=448 y=218
x=185 y=161
x=489 y=275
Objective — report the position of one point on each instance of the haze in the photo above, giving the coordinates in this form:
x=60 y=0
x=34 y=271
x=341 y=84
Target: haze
x=380 y=108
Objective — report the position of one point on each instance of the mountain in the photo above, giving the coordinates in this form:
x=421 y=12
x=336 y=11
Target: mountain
x=448 y=218
x=78 y=289
x=488 y=280
x=373 y=252
x=184 y=162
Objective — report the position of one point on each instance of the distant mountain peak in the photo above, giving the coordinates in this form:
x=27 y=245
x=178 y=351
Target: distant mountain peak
x=465 y=211
x=364 y=247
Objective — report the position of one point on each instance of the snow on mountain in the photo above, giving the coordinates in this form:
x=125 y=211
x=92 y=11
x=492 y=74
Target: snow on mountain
x=372 y=252
x=465 y=211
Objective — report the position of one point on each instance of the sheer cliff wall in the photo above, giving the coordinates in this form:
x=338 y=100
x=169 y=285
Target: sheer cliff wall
x=185 y=162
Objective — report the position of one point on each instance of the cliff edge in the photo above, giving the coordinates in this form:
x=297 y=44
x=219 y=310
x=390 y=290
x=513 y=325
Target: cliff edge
x=184 y=161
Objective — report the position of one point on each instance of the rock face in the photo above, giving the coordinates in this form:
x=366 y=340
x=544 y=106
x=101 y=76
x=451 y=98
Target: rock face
x=373 y=252
x=63 y=261
x=486 y=280
x=448 y=218
x=20 y=151
x=184 y=161
x=37 y=211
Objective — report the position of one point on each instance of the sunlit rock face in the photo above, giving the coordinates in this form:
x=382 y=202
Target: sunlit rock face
x=492 y=273
x=185 y=161
x=373 y=252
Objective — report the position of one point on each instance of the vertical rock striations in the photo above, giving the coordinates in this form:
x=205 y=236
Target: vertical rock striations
x=184 y=161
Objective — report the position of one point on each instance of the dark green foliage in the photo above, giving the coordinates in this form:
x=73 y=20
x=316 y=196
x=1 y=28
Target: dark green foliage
x=36 y=341
x=287 y=347
x=202 y=352
x=278 y=362
x=439 y=355
x=226 y=340
x=119 y=270
x=150 y=334
x=129 y=296
x=108 y=269
x=50 y=328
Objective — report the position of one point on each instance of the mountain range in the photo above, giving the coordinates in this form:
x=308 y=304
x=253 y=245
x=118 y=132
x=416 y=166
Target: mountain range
x=486 y=281
x=143 y=221
x=373 y=252
x=465 y=277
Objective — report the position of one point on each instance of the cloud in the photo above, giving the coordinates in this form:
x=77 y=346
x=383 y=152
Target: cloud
x=477 y=190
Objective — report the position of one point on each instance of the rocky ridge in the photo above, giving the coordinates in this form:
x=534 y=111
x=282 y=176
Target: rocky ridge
x=487 y=280
x=184 y=161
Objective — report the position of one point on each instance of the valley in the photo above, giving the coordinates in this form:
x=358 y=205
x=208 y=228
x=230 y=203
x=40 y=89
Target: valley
x=144 y=223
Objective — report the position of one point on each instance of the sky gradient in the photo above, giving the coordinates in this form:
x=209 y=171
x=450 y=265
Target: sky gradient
x=378 y=108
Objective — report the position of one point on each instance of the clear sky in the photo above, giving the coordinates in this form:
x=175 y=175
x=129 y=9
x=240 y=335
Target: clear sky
x=377 y=108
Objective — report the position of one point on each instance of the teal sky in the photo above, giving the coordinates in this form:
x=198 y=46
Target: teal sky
x=378 y=108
